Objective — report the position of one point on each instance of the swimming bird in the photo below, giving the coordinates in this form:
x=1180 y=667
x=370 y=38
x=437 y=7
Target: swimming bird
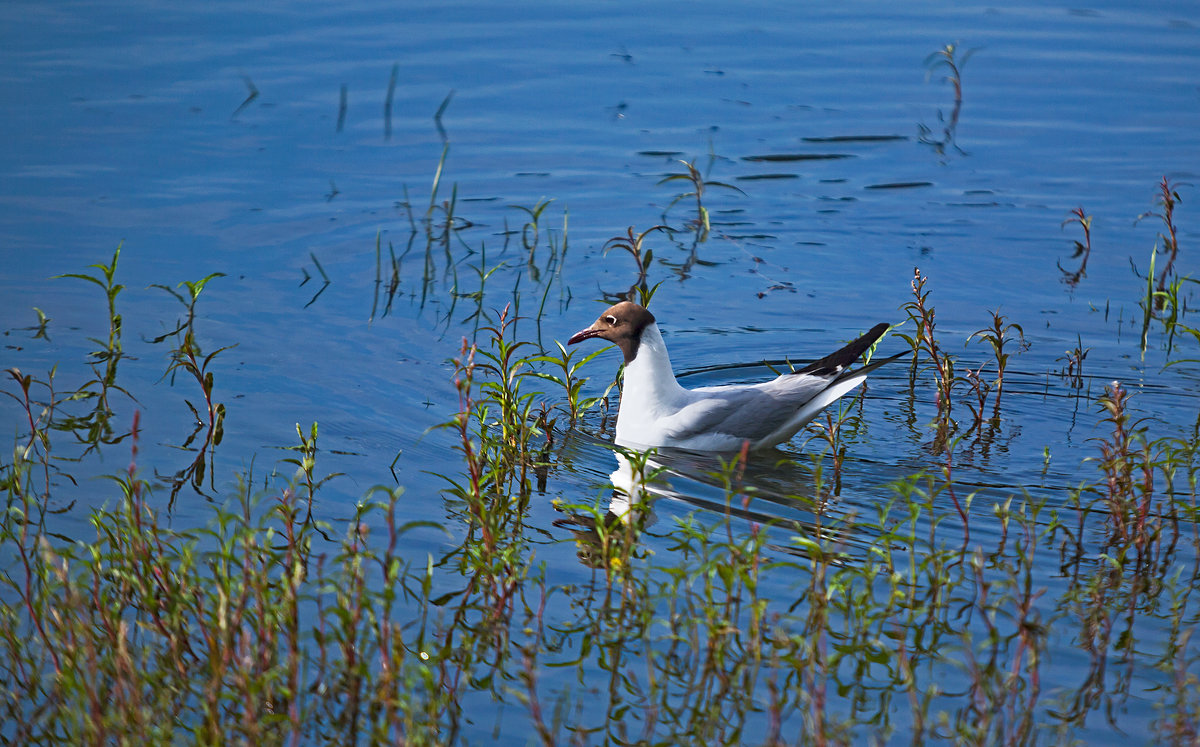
x=657 y=411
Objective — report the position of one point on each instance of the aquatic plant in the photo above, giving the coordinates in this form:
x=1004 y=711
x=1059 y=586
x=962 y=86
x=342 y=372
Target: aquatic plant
x=829 y=430
x=393 y=283
x=40 y=332
x=264 y=627
x=325 y=279
x=186 y=356
x=495 y=429
x=443 y=230
x=529 y=231
x=857 y=618
x=925 y=345
x=159 y=634
x=570 y=380
x=1163 y=296
x=838 y=425
x=1127 y=494
x=998 y=336
x=1167 y=199
x=698 y=185
x=952 y=59
x=305 y=462
x=1083 y=249
x=95 y=427
x=1073 y=360
x=251 y=94
x=642 y=257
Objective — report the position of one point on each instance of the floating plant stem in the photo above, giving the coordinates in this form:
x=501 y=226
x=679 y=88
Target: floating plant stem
x=39 y=332
x=325 y=279
x=558 y=257
x=1149 y=302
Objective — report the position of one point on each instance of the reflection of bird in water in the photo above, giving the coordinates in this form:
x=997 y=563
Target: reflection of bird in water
x=599 y=540
x=656 y=411
x=758 y=494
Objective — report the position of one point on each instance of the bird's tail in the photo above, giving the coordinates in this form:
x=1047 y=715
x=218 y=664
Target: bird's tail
x=836 y=363
x=864 y=370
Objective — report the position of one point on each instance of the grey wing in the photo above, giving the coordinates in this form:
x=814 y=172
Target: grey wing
x=751 y=413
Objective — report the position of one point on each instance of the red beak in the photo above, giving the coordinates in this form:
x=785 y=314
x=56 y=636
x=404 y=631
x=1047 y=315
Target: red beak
x=583 y=334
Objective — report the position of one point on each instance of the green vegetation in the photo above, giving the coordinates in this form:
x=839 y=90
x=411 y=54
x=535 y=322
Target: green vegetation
x=952 y=59
x=928 y=618
x=698 y=184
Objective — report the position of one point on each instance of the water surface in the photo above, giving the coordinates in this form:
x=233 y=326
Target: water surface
x=213 y=138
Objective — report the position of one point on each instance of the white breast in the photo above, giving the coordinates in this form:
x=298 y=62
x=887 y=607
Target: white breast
x=649 y=394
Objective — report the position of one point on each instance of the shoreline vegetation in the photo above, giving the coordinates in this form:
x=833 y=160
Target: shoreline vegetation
x=269 y=625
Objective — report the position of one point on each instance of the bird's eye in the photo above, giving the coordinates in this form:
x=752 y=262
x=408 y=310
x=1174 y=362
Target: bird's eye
x=611 y=320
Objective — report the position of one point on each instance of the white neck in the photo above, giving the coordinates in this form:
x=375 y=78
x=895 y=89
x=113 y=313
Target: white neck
x=650 y=386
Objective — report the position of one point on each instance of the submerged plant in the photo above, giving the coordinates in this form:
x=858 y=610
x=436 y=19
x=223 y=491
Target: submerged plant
x=495 y=429
x=147 y=633
x=925 y=345
x=1163 y=297
x=698 y=184
x=393 y=283
x=1083 y=249
x=1126 y=493
x=1167 y=199
x=999 y=336
x=770 y=612
x=1073 y=364
x=95 y=427
x=952 y=59
x=530 y=235
x=642 y=257
x=187 y=356
x=569 y=379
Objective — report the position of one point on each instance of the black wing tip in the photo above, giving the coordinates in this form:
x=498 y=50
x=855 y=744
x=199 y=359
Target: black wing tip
x=835 y=363
x=874 y=364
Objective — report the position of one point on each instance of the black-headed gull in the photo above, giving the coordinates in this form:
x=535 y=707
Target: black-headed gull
x=656 y=411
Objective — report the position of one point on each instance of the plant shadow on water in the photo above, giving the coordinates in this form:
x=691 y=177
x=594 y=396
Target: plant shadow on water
x=827 y=594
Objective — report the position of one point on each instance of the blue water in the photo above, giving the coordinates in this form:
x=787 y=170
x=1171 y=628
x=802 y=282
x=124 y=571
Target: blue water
x=132 y=124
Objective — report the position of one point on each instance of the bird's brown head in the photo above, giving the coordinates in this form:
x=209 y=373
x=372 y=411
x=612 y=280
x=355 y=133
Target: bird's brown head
x=622 y=325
